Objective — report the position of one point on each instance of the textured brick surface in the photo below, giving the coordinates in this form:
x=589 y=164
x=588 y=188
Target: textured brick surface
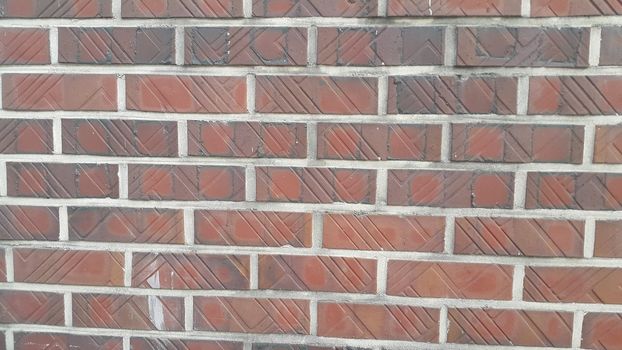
x=610 y=53
x=309 y=8
x=442 y=8
x=27 y=341
x=24 y=46
x=602 y=331
x=31 y=308
x=560 y=8
x=26 y=136
x=56 y=8
x=29 y=223
x=573 y=285
x=181 y=8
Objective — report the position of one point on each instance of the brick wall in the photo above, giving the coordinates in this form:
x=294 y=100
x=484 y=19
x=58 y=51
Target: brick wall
x=310 y=174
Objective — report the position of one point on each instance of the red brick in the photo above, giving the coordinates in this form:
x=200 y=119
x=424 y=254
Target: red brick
x=190 y=271
x=602 y=331
x=608 y=240
x=453 y=8
x=383 y=232
x=450 y=189
x=363 y=321
x=19 y=136
x=523 y=46
x=24 y=46
x=517 y=143
x=181 y=8
x=126 y=225
x=316 y=95
x=47 y=180
x=31 y=308
x=379 y=142
x=302 y=347
x=75 y=267
x=449 y=280
x=186 y=182
x=138 y=312
x=315 y=8
x=519 y=237
x=316 y=185
x=585 y=191
x=560 y=8
x=247 y=46
x=252 y=228
x=24 y=223
x=610 y=52
x=510 y=327
x=573 y=285
x=239 y=315
x=168 y=343
x=608 y=144
x=120 y=137
x=52 y=92
x=247 y=139
x=379 y=46
x=452 y=95
x=317 y=273
x=575 y=95
x=32 y=341
x=56 y=8
x=186 y=94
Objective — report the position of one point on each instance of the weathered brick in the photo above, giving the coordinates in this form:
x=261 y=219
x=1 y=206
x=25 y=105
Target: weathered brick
x=51 y=92
x=31 y=308
x=76 y=267
x=523 y=46
x=364 y=321
x=315 y=185
x=452 y=95
x=49 y=180
x=449 y=280
x=181 y=8
x=561 y=8
x=252 y=228
x=602 y=331
x=510 y=327
x=246 y=46
x=316 y=95
x=24 y=46
x=31 y=341
x=573 y=285
x=25 y=223
x=314 y=273
x=186 y=94
x=453 y=8
x=608 y=239
x=168 y=343
x=56 y=8
x=450 y=189
x=383 y=232
x=241 y=315
x=608 y=144
x=379 y=46
x=379 y=142
x=247 y=139
x=186 y=182
x=315 y=8
x=519 y=237
x=19 y=136
x=610 y=52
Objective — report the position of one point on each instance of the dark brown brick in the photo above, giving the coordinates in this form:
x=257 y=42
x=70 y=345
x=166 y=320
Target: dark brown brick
x=610 y=51
x=19 y=136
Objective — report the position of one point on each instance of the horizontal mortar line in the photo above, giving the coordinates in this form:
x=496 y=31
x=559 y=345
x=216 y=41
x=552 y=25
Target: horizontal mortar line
x=568 y=214
x=333 y=71
x=295 y=251
x=260 y=338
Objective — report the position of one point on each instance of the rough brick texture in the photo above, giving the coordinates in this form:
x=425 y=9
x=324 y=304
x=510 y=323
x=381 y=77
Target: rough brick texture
x=310 y=174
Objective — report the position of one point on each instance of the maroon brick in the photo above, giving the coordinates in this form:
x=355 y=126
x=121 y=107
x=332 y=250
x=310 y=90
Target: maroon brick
x=517 y=143
x=126 y=225
x=56 y=8
x=575 y=95
x=608 y=144
x=379 y=46
x=519 y=237
x=240 y=315
x=22 y=223
x=247 y=46
x=26 y=136
x=116 y=45
x=379 y=142
x=120 y=137
x=450 y=189
x=586 y=191
x=57 y=341
x=523 y=46
x=316 y=95
x=602 y=331
x=452 y=95
x=608 y=239
x=186 y=182
x=190 y=271
x=561 y=8
x=51 y=92
x=24 y=46
x=315 y=185
x=315 y=8
x=252 y=228
x=364 y=321
x=138 y=312
x=453 y=8
x=186 y=94
x=31 y=308
x=168 y=343
x=47 y=180
x=383 y=232
x=181 y=8
x=247 y=139
x=610 y=51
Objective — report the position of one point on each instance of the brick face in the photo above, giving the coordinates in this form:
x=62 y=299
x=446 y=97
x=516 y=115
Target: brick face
x=26 y=136
x=453 y=8
x=312 y=8
x=24 y=46
x=56 y=9
x=181 y=8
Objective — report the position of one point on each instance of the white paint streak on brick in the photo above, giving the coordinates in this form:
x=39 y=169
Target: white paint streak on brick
x=251 y=183
x=313 y=322
x=589 y=238
x=446 y=143
x=189 y=313
x=312 y=46
x=57 y=135
x=383 y=95
x=3 y=179
x=589 y=140
x=254 y=271
x=525 y=8
x=382 y=179
x=189 y=226
x=577 y=329
x=317 y=230
x=443 y=325
x=9 y=340
x=127 y=269
x=68 y=306
x=522 y=99
x=450 y=46
x=381 y=276
x=121 y=101
x=123 y=181
x=53 y=45
x=250 y=93
x=517 y=282
x=182 y=138
x=180 y=46
x=450 y=223
x=63 y=224
x=8 y=262
x=595 y=42
x=520 y=189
